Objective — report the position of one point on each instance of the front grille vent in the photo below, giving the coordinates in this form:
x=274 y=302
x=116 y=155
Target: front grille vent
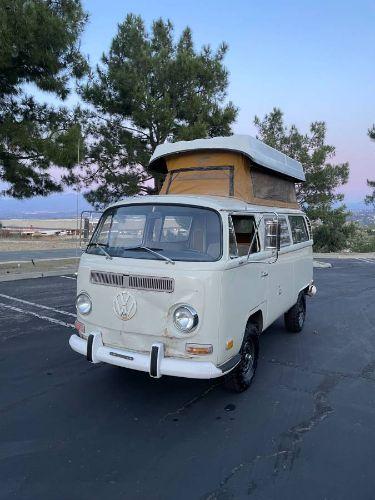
x=136 y=282
x=111 y=279
x=151 y=283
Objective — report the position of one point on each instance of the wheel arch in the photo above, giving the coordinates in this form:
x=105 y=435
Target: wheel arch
x=257 y=319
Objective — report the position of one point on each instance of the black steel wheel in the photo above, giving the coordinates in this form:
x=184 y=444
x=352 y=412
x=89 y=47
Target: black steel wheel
x=241 y=377
x=295 y=318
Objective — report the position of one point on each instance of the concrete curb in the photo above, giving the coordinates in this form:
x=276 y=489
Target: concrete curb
x=353 y=255
x=36 y=262
x=321 y=265
x=38 y=274
x=10 y=271
x=13 y=263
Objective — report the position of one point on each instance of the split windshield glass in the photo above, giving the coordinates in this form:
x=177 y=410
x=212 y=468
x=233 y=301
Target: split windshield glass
x=178 y=232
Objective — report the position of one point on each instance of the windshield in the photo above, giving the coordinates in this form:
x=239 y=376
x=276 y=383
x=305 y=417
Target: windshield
x=177 y=232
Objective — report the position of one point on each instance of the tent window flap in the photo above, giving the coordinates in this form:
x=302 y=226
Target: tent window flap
x=203 y=174
x=271 y=187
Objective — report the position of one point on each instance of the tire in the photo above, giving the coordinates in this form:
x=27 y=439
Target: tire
x=295 y=318
x=241 y=377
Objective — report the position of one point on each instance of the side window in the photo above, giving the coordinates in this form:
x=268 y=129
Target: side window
x=269 y=237
x=298 y=228
x=233 y=251
x=285 y=240
x=242 y=234
x=284 y=232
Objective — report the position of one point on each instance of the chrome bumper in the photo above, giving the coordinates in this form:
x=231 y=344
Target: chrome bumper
x=154 y=363
x=311 y=291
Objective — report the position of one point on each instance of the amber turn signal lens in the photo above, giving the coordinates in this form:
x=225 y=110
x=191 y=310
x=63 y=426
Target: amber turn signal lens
x=199 y=349
x=80 y=327
x=229 y=344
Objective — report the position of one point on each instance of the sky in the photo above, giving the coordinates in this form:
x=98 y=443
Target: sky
x=313 y=59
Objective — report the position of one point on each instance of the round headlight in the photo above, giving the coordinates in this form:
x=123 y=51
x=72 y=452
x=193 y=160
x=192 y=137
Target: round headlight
x=185 y=318
x=83 y=303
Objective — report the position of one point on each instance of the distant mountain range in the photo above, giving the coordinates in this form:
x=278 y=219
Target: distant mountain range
x=64 y=205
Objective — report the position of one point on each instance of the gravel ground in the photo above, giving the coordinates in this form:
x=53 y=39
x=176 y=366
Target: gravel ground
x=12 y=245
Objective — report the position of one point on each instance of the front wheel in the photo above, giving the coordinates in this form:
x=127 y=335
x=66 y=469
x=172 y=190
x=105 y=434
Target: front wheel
x=295 y=318
x=239 y=379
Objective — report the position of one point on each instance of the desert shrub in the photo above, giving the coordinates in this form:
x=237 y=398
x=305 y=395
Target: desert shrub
x=363 y=240
x=332 y=237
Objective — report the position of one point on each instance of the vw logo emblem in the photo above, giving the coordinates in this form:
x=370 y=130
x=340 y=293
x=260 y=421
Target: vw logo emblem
x=124 y=305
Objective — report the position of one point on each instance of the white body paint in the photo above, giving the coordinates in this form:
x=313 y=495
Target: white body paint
x=225 y=293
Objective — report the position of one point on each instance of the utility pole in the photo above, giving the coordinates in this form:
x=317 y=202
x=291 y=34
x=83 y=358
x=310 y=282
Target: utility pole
x=77 y=200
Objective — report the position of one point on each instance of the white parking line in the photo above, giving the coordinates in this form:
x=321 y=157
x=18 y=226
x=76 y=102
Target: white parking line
x=69 y=278
x=40 y=316
x=65 y=313
x=368 y=261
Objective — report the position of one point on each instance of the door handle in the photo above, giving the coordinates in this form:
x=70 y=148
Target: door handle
x=264 y=274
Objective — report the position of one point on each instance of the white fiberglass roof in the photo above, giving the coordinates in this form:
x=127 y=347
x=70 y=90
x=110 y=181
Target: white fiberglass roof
x=216 y=202
x=255 y=149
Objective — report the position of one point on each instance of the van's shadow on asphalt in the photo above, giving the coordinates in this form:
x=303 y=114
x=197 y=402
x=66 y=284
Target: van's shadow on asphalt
x=176 y=395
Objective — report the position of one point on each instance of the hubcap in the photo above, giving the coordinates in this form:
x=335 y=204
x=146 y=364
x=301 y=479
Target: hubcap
x=248 y=358
x=301 y=315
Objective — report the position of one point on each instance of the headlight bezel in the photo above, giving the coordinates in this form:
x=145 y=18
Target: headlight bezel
x=194 y=319
x=89 y=302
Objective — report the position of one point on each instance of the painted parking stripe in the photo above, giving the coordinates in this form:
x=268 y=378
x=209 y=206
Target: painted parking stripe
x=65 y=313
x=69 y=278
x=36 y=315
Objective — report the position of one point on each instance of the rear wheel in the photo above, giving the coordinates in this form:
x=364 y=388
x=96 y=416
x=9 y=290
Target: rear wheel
x=239 y=379
x=295 y=318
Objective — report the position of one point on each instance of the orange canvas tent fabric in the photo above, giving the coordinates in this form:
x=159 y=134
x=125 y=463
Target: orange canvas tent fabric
x=227 y=173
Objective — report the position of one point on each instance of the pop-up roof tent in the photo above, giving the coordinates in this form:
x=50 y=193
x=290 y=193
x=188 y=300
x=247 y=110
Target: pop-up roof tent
x=239 y=166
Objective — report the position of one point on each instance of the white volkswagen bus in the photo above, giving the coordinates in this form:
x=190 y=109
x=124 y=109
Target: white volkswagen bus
x=184 y=284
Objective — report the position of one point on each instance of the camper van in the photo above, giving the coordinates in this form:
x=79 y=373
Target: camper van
x=183 y=283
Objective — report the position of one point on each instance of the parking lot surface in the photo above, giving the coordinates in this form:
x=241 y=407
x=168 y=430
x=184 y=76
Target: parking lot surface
x=305 y=429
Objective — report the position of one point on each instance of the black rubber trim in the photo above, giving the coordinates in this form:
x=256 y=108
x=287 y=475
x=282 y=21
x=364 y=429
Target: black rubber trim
x=230 y=364
x=112 y=209
x=90 y=341
x=154 y=361
x=123 y=356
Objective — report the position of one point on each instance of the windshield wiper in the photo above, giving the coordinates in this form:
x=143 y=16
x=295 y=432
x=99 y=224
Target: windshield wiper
x=151 y=250
x=100 y=246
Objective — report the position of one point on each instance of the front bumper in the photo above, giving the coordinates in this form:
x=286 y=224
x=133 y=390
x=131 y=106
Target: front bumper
x=154 y=363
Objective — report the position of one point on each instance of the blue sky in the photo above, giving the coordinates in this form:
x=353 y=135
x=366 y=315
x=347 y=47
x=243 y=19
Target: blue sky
x=314 y=59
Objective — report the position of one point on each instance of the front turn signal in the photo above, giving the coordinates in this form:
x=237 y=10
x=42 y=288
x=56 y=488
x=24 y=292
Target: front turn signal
x=229 y=344
x=199 y=349
x=80 y=327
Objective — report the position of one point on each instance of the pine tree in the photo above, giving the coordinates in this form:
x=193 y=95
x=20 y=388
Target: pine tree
x=318 y=196
x=149 y=89
x=39 y=45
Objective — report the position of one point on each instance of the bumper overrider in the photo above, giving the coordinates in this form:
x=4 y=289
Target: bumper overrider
x=155 y=363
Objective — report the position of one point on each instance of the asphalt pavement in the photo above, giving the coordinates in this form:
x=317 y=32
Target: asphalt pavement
x=305 y=428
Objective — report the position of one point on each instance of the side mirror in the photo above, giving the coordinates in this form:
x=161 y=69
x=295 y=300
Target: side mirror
x=86 y=230
x=88 y=222
x=273 y=231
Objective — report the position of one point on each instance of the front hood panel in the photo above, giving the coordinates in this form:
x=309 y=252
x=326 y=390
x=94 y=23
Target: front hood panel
x=147 y=314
